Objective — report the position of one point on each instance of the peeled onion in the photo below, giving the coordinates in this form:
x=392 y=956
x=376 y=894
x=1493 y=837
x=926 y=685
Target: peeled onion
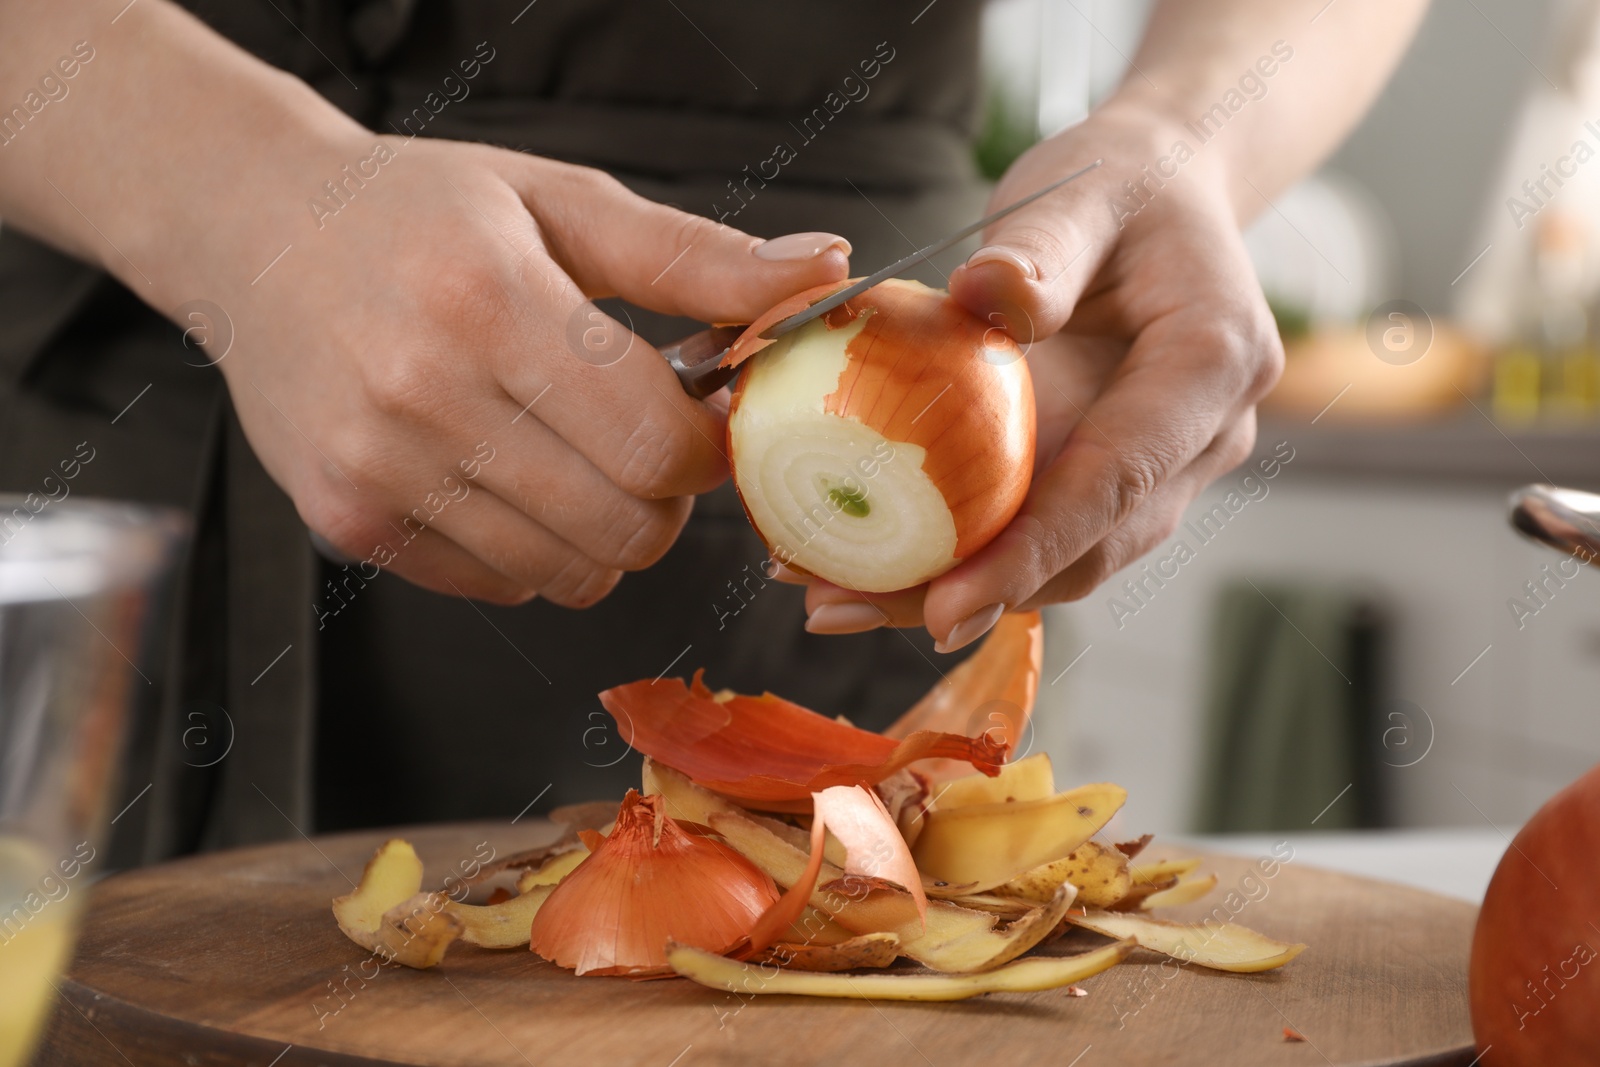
x=883 y=443
x=649 y=881
x=1535 y=970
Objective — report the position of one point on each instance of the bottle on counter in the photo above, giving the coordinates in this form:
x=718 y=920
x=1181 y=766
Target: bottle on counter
x=1552 y=372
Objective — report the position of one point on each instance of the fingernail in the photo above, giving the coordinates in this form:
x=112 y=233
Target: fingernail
x=1009 y=256
x=797 y=246
x=970 y=628
x=844 y=619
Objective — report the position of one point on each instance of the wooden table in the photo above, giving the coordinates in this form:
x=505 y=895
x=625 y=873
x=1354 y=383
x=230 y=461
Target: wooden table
x=233 y=959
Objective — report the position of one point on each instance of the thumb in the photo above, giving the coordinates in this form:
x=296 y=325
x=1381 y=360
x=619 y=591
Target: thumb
x=613 y=242
x=1035 y=263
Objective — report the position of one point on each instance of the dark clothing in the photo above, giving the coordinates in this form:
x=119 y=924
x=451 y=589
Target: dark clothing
x=406 y=706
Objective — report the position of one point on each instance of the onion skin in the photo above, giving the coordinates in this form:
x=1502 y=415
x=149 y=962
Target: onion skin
x=922 y=371
x=750 y=342
x=646 y=883
x=920 y=349
x=769 y=753
x=990 y=692
x=1535 y=970
x=873 y=844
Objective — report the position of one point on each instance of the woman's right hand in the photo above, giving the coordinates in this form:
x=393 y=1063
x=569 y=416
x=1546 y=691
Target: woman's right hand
x=419 y=353
x=423 y=372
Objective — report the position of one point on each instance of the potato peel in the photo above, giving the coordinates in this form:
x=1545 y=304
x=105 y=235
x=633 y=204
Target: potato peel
x=1219 y=946
x=1152 y=879
x=417 y=932
x=1023 y=976
x=1100 y=874
x=1188 y=888
x=1162 y=871
x=866 y=950
x=503 y=925
x=388 y=914
x=990 y=844
x=393 y=874
x=553 y=869
x=954 y=940
x=1032 y=778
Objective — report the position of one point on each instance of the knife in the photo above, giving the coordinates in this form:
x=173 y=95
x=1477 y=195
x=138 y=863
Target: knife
x=696 y=359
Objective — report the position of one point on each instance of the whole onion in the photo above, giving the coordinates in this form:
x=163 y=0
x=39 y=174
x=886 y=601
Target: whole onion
x=880 y=445
x=1535 y=971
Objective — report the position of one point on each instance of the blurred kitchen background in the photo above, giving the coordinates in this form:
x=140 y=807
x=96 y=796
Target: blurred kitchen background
x=1345 y=648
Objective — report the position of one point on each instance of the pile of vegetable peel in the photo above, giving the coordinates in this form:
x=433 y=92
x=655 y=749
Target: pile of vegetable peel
x=771 y=849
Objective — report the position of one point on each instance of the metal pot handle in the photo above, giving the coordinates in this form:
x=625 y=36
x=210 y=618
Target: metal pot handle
x=1567 y=519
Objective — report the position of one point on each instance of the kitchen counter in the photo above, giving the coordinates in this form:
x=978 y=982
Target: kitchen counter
x=1455 y=862
x=1465 y=447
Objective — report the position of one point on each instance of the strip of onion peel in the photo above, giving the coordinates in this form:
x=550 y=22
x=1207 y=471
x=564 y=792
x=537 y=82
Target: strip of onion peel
x=873 y=843
x=766 y=752
x=776 y=920
x=750 y=342
x=1001 y=678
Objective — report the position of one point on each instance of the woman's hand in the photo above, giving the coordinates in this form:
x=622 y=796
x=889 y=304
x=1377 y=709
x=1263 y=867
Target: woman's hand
x=1149 y=342
x=414 y=358
x=424 y=375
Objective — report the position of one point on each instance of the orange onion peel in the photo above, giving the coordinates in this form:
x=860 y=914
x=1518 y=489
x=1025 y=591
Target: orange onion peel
x=872 y=842
x=767 y=752
x=884 y=442
x=991 y=692
x=778 y=920
x=750 y=342
x=647 y=882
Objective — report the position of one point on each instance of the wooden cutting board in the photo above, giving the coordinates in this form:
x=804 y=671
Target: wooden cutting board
x=233 y=959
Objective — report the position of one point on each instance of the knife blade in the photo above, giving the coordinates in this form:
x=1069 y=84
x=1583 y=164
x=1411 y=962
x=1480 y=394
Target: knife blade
x=696 y=359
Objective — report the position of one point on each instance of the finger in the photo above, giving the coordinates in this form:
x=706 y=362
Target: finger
x=526 y=553
x=1148 y=527
x=381 y=537
x=1167 y=402
x=833 y=610
x=779 y=573
x=427 y=558
x=540 y=475
x=613 y=242
x=603 y=390
x=1035 y=263
x=565 y=363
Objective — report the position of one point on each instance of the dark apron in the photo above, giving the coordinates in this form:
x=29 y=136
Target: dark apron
x=406 y=706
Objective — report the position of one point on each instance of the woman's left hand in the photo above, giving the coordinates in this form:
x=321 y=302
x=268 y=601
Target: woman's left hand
x=1149 y=341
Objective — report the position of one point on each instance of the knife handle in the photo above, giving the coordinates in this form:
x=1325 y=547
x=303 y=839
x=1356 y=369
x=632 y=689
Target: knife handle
x=696 y=358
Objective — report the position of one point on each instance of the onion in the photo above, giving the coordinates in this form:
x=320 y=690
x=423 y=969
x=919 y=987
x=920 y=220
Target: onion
x=880 y=445
x=646 y=883
x=1535 y=971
